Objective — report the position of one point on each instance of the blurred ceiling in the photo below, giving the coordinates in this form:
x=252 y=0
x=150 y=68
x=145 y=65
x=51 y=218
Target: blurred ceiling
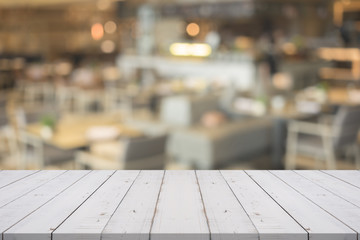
x=22 y=3
x=37 y=3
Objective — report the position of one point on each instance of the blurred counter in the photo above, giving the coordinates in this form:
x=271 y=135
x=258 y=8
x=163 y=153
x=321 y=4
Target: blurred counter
x=241 y=72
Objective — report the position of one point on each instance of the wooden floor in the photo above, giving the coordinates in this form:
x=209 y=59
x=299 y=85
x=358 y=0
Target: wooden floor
x=172 y=205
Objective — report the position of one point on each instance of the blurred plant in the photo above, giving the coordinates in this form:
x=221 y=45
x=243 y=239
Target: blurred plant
x=48 y=121
x=262 y=99
x=323 y=86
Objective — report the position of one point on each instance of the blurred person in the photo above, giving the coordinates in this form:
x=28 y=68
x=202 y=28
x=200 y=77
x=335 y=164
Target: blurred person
x=270 y=51
x=213 y=39
x=213 y=119
x=35 y=72
x=345 y=33
x=87 y=78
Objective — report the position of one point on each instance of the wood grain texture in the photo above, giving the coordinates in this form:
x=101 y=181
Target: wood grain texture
x=180 y=212
x=271 y=221
x=180 y=205
x=20 y=188
x=319 y=224
x=343 y=210
x=89 y=220
x=334 y=185
x=9 y=176
x=133 y=218
x=349 y=176
x=15 y=211
x=40 y=224
x=227 y=219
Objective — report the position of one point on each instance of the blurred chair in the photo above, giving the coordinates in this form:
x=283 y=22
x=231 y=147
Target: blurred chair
x=86 y=99
x=116 y=99
x=184 y=111
x=326 y=139
x=4 y=143
x=37 y=93
x=12 y=132
x=65 y=98
x=17 y=141
x=137 y=153
x=27 y=150
x=212 y=147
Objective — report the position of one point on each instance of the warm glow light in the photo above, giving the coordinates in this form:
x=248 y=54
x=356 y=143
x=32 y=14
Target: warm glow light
x=282 y=81
x=193 y=29
x=103 y=4
x=107 y=46
x=339 y=54
x=110 y=27
x=180 y=49
x=340 y=7
x=63 y=68
x=289 y=48
x=338 y=13
x=187 y=49
x=97 y=31
x=243 y=42
x=200 y=50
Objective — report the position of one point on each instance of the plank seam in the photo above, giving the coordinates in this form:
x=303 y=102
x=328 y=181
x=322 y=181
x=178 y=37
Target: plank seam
x=339 y=178
x=102 y=231
x=19 y=178
x=156 y=205
x=240 y=202
x=316 y=204
x=326 y=189
x=51 y=235
x=202 y=201
x=308 y=235
x=44 y=203
x=34 y=188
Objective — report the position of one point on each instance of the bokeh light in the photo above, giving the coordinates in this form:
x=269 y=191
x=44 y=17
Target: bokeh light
x=193 y=29
x=110 y=27
x=187 y=49
x=97 y=31
x=108 y=46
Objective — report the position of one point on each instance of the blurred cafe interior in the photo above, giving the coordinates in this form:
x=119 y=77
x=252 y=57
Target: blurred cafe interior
x=179 y=84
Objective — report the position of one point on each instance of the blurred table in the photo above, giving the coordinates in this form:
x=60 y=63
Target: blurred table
x=343 y=96
x=70 y=131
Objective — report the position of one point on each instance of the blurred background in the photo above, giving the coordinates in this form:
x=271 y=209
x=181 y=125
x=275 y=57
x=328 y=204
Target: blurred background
x=180 y=84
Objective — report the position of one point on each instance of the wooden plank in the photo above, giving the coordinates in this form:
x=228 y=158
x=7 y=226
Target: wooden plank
x=40 y=224
x=349 y=176
x=343 y=210
x=319 y=224
x=226 y=217
x=271 y=221
x=180 y=213
x=14 y=191
x=334 y=185
x=133 y=218
x=22 y=207
x=88 y=221
x=9 y=176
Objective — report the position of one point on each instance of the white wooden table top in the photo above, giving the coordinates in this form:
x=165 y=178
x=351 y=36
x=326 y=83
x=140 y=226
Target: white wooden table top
x=172 y=205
